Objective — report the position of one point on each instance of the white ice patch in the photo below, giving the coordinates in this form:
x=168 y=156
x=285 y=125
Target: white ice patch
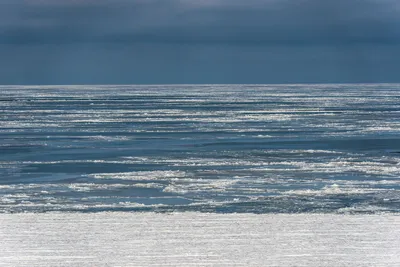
x=141 y=175
x=206 y=185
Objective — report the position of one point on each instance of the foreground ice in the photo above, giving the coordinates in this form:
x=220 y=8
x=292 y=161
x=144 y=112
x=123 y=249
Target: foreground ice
x=198 y=239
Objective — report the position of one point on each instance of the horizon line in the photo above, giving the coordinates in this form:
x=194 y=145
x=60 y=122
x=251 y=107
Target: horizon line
x=200 y=84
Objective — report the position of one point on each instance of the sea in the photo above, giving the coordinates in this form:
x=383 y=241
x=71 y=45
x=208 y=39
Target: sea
x=301 y=148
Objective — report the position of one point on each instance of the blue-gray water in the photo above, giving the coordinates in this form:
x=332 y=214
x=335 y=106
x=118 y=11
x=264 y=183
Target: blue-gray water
x=214 y=148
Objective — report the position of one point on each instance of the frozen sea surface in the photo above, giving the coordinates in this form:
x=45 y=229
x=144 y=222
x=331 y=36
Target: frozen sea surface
x=209 y=148
x=199 y=239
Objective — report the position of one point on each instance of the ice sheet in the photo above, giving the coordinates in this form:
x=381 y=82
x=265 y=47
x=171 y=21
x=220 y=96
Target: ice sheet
x=198 y=239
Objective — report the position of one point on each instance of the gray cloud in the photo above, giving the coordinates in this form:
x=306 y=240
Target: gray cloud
x=193 y=21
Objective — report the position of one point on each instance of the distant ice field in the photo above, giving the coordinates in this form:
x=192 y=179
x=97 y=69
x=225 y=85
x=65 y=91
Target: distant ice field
x=209 y=148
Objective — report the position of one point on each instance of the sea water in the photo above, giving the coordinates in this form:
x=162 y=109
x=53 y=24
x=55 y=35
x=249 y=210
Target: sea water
x=331 y=148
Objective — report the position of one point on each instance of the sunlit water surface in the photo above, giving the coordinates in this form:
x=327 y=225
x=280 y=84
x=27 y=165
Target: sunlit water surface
x=212 y=148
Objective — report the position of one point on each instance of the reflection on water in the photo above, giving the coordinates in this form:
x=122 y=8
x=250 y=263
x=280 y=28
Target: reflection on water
x=214 y=148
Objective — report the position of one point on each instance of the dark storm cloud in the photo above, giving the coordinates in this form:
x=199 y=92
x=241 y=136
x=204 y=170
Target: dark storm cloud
x=199 y=41
x=288 y=22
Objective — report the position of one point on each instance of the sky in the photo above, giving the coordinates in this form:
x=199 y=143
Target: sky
x=199 y=41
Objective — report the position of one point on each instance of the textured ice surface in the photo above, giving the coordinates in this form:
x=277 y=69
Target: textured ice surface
x=198 y=239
